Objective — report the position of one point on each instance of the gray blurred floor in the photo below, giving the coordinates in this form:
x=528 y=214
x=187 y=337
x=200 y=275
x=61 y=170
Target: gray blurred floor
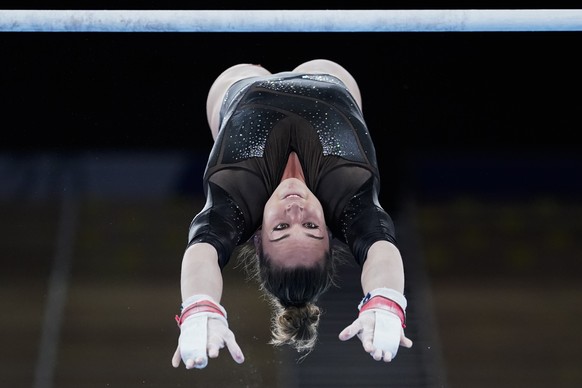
x=481 y=312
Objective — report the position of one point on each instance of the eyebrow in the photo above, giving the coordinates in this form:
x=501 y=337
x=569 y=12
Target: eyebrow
x=287 y=235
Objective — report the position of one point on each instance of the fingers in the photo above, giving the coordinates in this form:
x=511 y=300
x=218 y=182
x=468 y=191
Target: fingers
x=350 y=331
x=223 y=336
x=387 y=356
x=198 y=363
x=235 y=350
x=380 y=333
x=214 y=347
x=363 y=327
x=368 y=343
x=405 y=341
x=202 y=338
x=379 y=355
x=176 y=358
x=190 y=362
x=376 y=354
x=367 y=333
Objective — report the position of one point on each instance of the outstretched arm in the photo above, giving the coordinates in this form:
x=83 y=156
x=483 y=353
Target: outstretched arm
x=383 y=268
x=200 y=272
x=381 y=328
x=203 y=321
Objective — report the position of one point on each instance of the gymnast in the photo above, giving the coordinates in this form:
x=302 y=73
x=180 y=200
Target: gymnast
x=291 y=188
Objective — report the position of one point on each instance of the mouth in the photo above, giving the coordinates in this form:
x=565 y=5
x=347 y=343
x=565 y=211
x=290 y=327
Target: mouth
x=292 y=196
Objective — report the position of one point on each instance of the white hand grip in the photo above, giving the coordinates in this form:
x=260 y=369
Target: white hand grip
x=387 y=332
x=193 y=339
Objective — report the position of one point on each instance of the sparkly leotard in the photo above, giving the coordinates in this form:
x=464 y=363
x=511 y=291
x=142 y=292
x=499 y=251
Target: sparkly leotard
x=263 y=120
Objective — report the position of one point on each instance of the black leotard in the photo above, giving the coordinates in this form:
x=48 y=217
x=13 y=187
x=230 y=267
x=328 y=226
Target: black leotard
x=264 y=119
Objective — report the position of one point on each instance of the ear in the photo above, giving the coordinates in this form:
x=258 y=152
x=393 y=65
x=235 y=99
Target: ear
x=257 y=240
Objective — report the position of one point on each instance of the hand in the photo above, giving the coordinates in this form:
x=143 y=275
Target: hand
x=380 y=332
x=203 y=336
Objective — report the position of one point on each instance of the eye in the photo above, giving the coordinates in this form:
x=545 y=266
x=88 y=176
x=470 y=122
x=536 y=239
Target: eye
x=281 y=226
x=310 y=225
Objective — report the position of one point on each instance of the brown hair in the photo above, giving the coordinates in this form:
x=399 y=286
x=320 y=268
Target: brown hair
x=292 y=293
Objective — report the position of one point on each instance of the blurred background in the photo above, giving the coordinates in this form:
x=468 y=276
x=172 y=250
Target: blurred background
x=104 y=146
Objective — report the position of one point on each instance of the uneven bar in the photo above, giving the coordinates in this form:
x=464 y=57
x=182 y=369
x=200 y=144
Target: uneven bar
x=290 y=20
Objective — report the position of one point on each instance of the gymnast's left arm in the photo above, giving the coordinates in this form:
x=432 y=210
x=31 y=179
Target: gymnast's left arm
x=382 y=313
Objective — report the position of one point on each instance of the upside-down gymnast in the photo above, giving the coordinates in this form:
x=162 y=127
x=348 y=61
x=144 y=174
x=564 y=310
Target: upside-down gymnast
x=291 y=182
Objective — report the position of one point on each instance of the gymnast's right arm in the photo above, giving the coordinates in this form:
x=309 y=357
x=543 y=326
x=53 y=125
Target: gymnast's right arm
x=203 y=321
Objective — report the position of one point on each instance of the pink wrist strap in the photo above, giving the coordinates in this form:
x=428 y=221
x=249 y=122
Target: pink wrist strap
x=203 y=306
x=382 y=303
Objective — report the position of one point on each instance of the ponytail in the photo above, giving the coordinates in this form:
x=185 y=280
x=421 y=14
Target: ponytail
x=296 y=326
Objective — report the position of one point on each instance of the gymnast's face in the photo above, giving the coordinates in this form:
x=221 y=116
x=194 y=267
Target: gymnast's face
x=294 y=232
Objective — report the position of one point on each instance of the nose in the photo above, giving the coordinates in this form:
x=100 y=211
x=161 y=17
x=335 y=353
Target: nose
x=294 y=210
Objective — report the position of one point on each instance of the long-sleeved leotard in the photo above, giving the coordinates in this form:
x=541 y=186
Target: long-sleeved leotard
x=263 y=120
